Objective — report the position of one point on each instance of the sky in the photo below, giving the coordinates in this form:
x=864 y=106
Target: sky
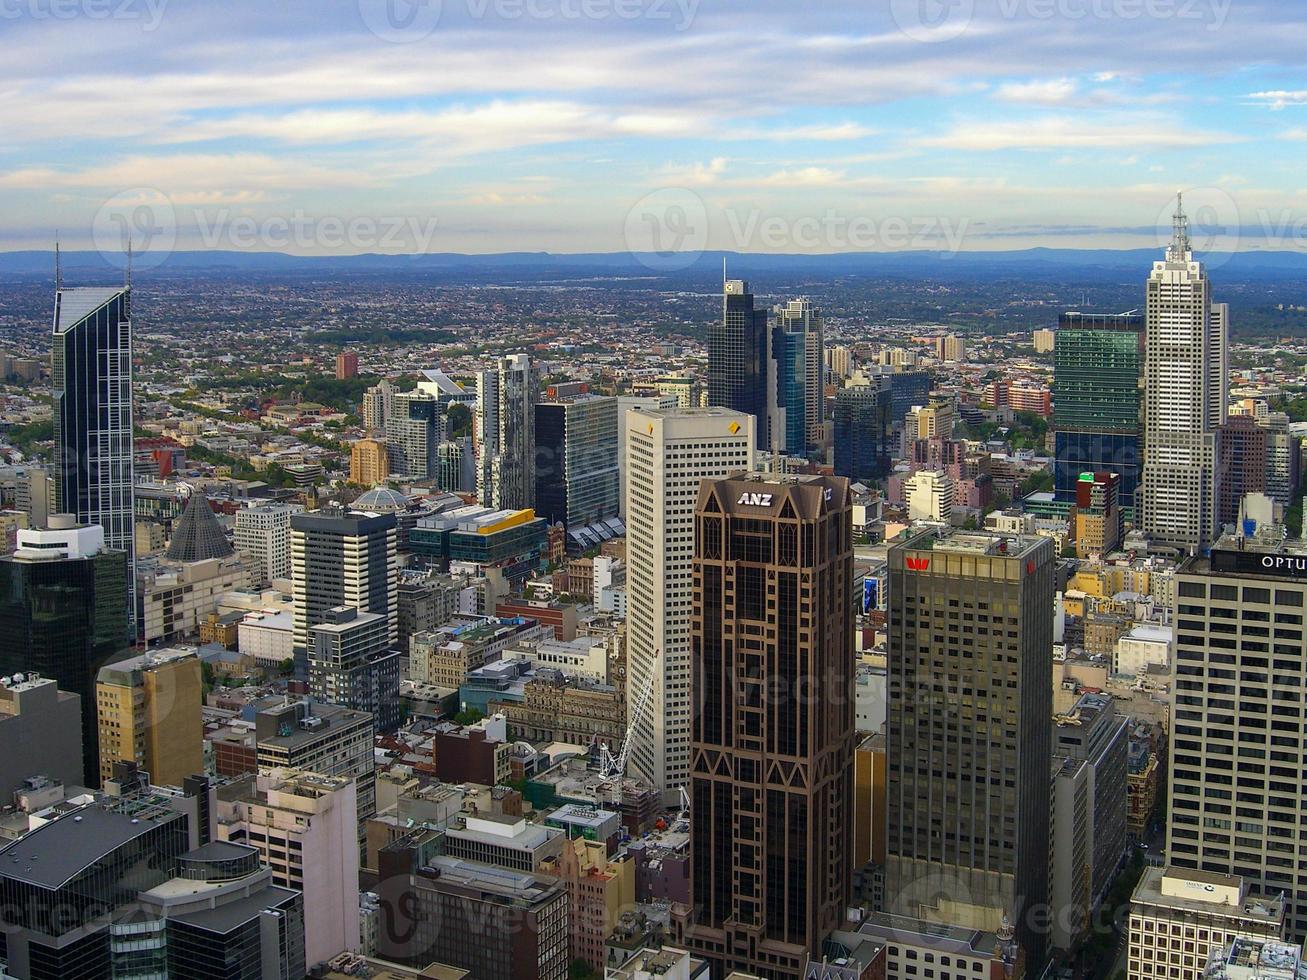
x=326 y=127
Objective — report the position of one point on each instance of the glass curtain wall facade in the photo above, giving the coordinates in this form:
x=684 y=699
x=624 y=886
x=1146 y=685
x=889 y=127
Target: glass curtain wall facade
x=1097 y=367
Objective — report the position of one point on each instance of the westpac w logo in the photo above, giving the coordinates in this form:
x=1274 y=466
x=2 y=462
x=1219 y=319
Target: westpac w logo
x=918 y=564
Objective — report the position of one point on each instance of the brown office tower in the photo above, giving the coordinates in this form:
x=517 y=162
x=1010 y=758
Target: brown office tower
x=970 y=698
x=771 y=753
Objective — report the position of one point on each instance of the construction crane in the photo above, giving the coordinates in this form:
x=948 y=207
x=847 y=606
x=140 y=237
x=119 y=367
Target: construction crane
x=610 y=767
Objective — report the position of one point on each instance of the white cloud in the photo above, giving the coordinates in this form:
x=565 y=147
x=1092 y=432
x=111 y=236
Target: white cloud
x=1062 y=132
x=1279 y=98
x=1055 y=91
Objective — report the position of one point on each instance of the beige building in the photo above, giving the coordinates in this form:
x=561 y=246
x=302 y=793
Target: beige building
x=305 y=828
x=935 y=420
x=148 y=710
x=1179 y=917
x=598 y=889
x=178 y=596
x=1044 y=340
x=368 y=463
x=950 y=348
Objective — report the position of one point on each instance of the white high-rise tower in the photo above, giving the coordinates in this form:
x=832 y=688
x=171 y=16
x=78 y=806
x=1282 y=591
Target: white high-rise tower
x=668 y=452
x=1184 y=398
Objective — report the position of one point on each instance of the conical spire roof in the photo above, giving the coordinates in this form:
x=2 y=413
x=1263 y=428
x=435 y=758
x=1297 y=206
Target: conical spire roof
x=197 y=535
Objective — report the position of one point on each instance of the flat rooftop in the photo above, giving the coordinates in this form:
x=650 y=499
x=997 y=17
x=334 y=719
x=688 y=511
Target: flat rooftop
x=58 y=851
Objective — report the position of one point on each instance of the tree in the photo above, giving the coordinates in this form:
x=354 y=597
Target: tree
x=287 y=666
x=468 y=716
x=581 y=970
x=459 y=420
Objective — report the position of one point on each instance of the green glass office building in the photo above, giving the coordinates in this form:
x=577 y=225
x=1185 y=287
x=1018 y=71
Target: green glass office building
x=1097 y=365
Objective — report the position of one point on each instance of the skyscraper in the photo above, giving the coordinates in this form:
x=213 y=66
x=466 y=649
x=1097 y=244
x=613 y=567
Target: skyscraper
x=62 y=594
x=773 y=734
x=798 y=360
x=1184 y=399
x=505 y=433
x=1097 y=369
x=863 y=431
x=91 y=394
x=414 y=428
x=737 y=358
x=576 y=473
x=969 y=739
x=668 y=452
x=342 y=559
x=1237 y=797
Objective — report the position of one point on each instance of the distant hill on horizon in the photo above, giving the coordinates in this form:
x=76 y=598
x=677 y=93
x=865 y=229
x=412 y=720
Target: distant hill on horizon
x=945 y=265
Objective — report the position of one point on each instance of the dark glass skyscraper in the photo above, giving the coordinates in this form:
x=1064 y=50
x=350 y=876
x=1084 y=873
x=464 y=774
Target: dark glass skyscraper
x=62 y=610
x=796 y=381
x=737 y=358
x=969 y=741
x=1097 y=365
x=91 y=389
x=863 y=430
x=771 y=749
x=576 y=471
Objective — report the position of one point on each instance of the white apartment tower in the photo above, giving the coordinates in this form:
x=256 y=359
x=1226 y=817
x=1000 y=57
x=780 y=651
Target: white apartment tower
x=1184 y=398
x=668 y=452
x=505 y=433
x=263 y=539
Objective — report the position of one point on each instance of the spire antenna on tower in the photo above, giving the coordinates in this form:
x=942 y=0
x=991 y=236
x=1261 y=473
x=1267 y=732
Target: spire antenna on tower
x=58 y=270
x=1180 y=247
x=127 y=275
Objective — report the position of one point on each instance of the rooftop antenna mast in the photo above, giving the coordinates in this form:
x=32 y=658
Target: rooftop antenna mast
x=1179 y=231
x=58 y=271
x=127 y=276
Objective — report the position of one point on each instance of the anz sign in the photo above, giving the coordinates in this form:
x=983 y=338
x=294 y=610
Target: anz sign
x=755 y=499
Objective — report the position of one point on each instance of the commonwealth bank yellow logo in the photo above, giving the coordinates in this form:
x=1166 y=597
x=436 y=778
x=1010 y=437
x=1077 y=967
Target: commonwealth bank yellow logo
x=735 y=427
